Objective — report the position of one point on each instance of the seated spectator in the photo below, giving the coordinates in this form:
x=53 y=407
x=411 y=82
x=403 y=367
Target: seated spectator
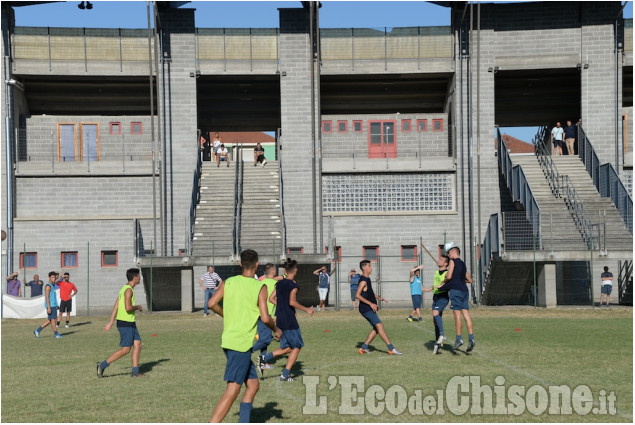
x=259 y=155
x=222 y=155
x=36 y=286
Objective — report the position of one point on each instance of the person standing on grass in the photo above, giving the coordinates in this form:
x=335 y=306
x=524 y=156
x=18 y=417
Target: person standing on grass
x=124 y=311
x=440 y=300
x=209 y=281
x=353 y=280
x=415 y=293
x=264 y=333
x=284 y=296
x=67 y=292
x=244 y=300
x=324 y=283
x=50 y=303
x=607 y=286
x=368 y=309
x=454 y=281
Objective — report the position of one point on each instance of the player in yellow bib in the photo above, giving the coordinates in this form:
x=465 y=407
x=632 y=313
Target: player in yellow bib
x=264 y=333
x=124 y=311
x=440 y=300
x=244 y=301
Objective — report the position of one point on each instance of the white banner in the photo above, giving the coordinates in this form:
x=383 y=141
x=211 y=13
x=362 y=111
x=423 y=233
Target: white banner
x=28 y=308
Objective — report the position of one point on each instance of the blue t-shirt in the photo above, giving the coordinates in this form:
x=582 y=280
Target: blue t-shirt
x=415 y=286
x=355 y=281
x=368 y=295
x=458 y=277
x=52 y=297
x=569 y=132
x=36 y=290
x=285 y=314
x=323 y=280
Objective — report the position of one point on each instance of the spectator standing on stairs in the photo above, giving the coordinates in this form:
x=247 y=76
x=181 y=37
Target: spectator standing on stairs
x=569 y=137
x=216 y=146
x=557 y=134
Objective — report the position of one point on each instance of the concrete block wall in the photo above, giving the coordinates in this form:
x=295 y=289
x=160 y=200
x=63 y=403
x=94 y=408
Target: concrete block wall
x=410 y=143
x=179 y=120
x=38 y=145
x=96 y=285
x=297 y=143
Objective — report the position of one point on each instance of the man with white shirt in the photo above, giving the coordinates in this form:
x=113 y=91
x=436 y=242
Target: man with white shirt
x=557 y=133
x=607 y=286
x=222 y=155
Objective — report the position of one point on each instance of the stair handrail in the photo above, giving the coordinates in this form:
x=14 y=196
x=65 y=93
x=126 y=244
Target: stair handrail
x=235 y=247
x=625 y=274
x=519 y=187
x=281 y=193
x=605 y=179
x=194 y=201
x=491 y=245
x=562 y=187
x=240 y=164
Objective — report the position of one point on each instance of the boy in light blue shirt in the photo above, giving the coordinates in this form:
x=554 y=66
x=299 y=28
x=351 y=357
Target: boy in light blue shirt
x=416 y=294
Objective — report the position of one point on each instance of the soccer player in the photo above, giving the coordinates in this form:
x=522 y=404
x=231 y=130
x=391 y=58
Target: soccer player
x=50 y=303
x=368 y=309
x=415 y=293
x=124 y=311
x=454 y=281
x=244 y=300
x=284 y=296
x=440 y=300
x=264 y=333
x=67 y=292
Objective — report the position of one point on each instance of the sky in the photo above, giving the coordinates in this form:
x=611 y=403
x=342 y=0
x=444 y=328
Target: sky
x=254 y=14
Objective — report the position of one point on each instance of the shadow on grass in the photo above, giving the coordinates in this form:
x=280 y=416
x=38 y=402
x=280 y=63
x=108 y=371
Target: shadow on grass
x=266 y=413
x=296 y=371
x=147 y=367
x=80 y=324
x=371 y=348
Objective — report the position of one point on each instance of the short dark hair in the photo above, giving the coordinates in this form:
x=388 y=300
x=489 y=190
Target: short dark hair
x=606 y=268
x=131 y=273
x=363 y=263
x=446 y=258
x=67 y=274
x=52 y=274
x=457 y=248
x=289 y=265
x=269 y=266
x=248 y=258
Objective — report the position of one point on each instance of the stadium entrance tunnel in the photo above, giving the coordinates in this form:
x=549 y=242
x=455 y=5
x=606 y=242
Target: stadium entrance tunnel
x=536 y=97
x=384 y=93
x=238 y=102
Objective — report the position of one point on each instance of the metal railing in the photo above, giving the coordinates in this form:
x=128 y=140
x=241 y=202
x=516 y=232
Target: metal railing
x=625 y=282
x=605 y=179
x=562 y=187
x=138 y=240
x=490 y=248
x=281 y=193
x=238 y=199
x=518 y=186
x=196 y=198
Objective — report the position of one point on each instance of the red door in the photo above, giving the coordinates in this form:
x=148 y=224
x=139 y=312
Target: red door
x=381 y=139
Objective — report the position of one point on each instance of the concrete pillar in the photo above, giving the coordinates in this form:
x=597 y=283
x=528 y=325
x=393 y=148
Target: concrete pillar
x=547 y=286
x=187 y=290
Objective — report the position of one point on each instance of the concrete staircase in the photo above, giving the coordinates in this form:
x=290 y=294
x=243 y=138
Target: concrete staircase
x=213 y=227
x=557 y=225
x=260 y=228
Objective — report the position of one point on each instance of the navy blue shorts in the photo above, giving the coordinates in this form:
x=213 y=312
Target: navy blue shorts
x=607 y=289
x=439 y=303
x=372 y=317
x=128 y=336
x=291 y=338
x=353 y=294
x=53 y=314
x=460 y=299
x=416 y=301
x=264 y=333
x=239 y=367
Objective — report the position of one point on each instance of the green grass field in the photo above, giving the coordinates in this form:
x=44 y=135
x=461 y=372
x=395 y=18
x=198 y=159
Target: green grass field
x=49 y=380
